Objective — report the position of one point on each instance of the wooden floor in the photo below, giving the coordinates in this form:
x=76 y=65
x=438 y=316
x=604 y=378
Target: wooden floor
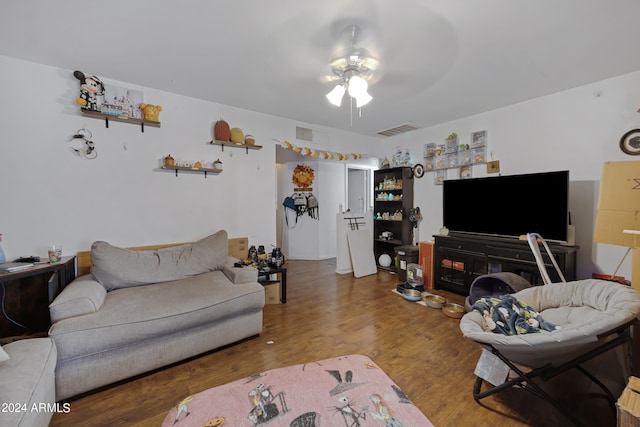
x=329 y=315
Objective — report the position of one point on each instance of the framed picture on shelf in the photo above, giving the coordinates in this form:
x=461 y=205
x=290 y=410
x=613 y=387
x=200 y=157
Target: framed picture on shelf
x=440 y=162
x=464 y=157
x=465 y=172
x=451 y=145
x=428 y=163
x=479 y=139
x=121 y=101
x=479 y=155
x=452 y=160
x=430 y=149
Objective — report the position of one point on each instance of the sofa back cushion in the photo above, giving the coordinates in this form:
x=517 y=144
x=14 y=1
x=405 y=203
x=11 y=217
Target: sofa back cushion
x=116 y=267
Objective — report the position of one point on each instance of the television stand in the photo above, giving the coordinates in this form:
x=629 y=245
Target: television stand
x=459 y=260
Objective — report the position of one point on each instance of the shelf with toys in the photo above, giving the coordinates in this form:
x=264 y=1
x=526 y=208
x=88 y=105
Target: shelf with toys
x=393 y=200
x=169 y=163
x=126 y=107
x=194 y=169
x=125 y=119
x=232 y=137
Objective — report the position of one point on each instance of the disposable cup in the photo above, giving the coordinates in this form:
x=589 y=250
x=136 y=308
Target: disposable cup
x=55 y=253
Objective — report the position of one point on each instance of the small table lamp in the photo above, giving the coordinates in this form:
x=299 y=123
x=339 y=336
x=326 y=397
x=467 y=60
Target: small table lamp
x=618 y=214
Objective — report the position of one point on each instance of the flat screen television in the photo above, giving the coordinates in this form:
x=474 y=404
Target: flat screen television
x=509 y=205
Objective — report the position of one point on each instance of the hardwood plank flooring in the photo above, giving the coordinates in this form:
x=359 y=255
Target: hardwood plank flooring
x=329 y=315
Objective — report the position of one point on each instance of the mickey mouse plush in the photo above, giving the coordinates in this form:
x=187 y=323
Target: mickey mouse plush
x=90 y=88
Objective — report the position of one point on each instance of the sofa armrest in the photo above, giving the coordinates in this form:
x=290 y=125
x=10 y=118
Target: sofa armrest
x=82 y=296
x=236 y=275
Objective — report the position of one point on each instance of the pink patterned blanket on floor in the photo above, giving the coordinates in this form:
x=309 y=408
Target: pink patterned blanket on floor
x=345 y=391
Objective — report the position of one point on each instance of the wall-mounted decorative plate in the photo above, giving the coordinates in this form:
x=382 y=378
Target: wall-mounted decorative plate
x=418 y=170
x=630 y=142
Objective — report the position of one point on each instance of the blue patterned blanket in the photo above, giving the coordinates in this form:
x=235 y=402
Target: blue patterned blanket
x=509 y=316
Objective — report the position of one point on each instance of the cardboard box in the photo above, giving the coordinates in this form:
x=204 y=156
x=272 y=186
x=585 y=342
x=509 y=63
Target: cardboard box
x=619 y=204
x=629 y=404
x=239 y=247
x=272 y=293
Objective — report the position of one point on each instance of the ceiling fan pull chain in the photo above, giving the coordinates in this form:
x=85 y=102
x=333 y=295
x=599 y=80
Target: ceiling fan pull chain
x=351 y=112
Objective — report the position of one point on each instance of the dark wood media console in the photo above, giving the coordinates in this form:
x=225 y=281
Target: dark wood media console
x=459 y=260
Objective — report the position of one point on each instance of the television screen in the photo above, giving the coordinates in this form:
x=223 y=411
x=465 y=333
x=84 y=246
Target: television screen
x=509 y=205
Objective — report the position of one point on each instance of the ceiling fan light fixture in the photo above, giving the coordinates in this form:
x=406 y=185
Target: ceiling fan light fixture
x=357 y=86
x=336 y=94
x=354 y=66
x=363 y=99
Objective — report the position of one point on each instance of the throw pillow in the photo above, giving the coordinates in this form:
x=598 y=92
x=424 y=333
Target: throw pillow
x=116 y=267
x=3 y=355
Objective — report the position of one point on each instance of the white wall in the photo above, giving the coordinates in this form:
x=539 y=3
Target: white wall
x=578 y=130
x=50 y=195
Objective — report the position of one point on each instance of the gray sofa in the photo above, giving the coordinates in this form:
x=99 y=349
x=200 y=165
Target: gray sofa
x=140 y=310
x=27 y=383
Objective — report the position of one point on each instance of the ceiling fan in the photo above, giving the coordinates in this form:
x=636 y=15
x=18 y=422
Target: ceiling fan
x=352 y=68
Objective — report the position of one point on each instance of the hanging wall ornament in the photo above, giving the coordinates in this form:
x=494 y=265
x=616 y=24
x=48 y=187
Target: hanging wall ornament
x=303 y=176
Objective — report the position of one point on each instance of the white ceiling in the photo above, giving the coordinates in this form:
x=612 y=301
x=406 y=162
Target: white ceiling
x=440 y=59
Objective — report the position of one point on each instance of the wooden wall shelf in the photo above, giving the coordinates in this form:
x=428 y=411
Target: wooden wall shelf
x=107 y=117
x=187 y=169
x=232 y=144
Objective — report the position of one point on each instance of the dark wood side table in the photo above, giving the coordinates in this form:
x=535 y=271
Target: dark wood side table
x=263 y=277
x=28 y=293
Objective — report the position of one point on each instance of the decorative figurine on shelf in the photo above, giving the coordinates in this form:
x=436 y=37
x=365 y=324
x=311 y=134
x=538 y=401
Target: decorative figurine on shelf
x=402 y=157
x=91 y=91
x=237 y=136
x=169 y=161
x=151 y=112
x=221 y=131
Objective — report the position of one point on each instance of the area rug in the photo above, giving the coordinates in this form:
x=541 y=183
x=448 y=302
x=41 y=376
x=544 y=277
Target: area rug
x=343 y=391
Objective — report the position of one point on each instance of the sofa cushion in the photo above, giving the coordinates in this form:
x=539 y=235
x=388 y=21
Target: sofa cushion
x=136 y=314
x=82 y=296
x=116 y=267
x=28 y=379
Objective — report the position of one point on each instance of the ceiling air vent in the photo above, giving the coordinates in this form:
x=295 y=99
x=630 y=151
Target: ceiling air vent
x=397 y=130
x=304 y=134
